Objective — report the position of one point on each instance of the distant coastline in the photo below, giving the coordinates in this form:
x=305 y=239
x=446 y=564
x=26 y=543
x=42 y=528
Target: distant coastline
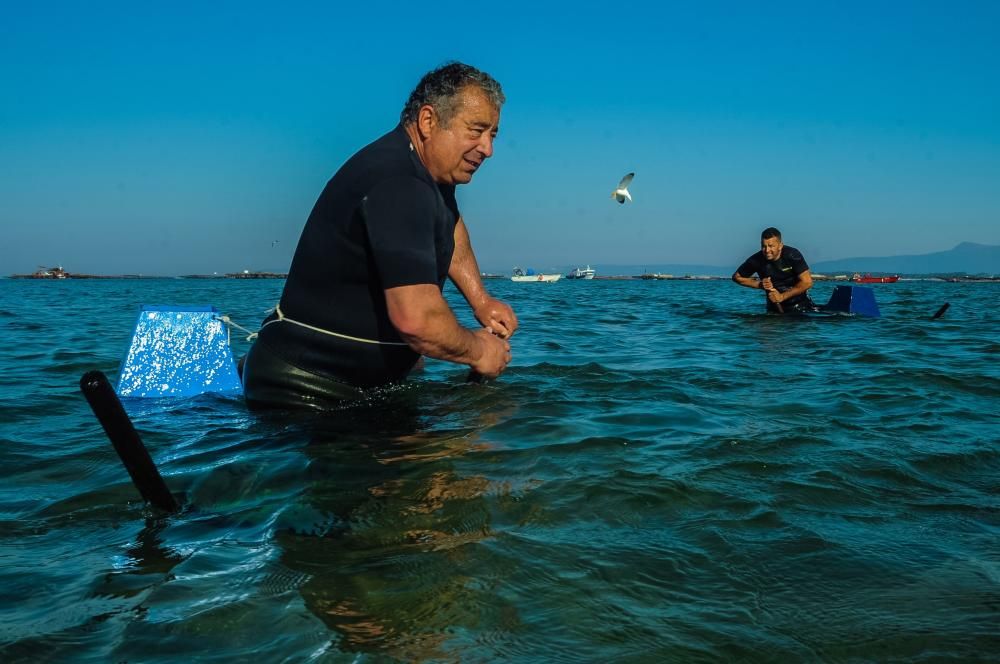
x=966 y=261
x=647 y=276
x=59 y=274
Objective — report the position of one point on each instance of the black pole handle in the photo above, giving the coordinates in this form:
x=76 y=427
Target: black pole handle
x=940 y=312
x=126 y=441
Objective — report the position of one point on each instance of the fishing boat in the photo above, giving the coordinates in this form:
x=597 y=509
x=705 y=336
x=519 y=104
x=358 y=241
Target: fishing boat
x=44 y=273
x=582 y=273
x=520 y=275
x=869 y=279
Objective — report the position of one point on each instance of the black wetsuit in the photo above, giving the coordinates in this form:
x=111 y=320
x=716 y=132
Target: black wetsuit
x=381 y=222
x=784 y=274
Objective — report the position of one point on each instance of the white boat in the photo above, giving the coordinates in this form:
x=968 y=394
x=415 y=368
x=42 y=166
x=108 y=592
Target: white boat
x=579 y=273
x=529 y=275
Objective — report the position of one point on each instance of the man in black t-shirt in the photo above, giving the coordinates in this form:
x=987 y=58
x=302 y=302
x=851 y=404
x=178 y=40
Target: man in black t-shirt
x=363 y=299
x=781 y=272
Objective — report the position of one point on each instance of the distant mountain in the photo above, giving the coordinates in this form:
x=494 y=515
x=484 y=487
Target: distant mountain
x=965 y=258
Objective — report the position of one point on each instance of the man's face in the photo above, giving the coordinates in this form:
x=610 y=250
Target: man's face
x=454 y=152
x=771 y=247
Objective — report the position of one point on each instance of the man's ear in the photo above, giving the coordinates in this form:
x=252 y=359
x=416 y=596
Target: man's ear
x=427 y=120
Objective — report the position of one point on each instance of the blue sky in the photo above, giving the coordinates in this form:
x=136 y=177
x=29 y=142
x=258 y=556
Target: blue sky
x=173 y=138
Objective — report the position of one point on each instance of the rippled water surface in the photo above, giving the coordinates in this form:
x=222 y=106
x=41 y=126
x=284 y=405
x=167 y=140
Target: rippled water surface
x=663 y=474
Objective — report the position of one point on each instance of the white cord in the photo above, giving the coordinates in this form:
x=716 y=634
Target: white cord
x=282 y=318
x=229 y=321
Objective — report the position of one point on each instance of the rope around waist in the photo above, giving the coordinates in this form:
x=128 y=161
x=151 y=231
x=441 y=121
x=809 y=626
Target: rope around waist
x=284 y=319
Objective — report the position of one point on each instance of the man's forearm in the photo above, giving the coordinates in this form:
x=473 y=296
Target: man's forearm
x=749 y=282
x=797 y=289
x=444 y=339
x=464 y=269
x=428 y=325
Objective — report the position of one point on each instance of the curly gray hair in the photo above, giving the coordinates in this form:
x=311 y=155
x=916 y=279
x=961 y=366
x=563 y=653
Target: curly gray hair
x=439 y=88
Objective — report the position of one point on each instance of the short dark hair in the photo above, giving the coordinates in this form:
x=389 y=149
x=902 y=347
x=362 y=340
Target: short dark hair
x=440 y=87
x=770 y=232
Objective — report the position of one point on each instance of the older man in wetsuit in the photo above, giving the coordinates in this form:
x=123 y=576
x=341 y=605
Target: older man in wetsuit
x=363 y=299
x=781 y=272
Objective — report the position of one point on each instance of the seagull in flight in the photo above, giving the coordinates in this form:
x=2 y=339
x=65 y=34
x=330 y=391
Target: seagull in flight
x=621 y=193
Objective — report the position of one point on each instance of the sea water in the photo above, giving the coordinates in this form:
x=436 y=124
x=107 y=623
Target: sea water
x=664 y=473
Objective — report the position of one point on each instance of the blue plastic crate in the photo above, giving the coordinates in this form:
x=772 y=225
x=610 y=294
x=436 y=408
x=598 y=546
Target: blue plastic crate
x=178 y=351
x=853 y=300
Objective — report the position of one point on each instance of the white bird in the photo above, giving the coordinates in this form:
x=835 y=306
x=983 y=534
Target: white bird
x=621 y=193
x=274 y=242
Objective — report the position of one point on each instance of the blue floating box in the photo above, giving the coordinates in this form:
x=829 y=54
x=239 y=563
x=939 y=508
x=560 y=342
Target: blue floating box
x=178 y=352
x=853 y=300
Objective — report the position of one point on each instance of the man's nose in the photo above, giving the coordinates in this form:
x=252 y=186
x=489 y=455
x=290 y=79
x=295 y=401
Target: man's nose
x=486 y=145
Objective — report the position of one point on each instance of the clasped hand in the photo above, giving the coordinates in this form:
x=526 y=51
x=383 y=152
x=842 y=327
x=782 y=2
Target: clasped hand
x=494 y=354
x=497 y=317
x=772 y=293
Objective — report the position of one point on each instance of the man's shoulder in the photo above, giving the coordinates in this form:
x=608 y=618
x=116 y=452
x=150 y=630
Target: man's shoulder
x=791 y=253
x=389 y=153
x=384 y=163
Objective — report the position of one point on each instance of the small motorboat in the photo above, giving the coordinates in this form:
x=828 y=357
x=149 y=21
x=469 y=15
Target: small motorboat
x=582 y=273
x=869 y=279
x=520 y=275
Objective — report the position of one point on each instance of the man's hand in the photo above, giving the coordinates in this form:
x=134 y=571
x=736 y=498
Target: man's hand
x=494 y=357
x=772 y=293
x=497 y=317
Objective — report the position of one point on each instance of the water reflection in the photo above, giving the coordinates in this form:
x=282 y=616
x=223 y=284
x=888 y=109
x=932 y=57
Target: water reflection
x=144 y=564
x=397 y=566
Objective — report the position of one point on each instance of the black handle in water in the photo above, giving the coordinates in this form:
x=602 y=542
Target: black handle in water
x=940 y=312
x=125 y=439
